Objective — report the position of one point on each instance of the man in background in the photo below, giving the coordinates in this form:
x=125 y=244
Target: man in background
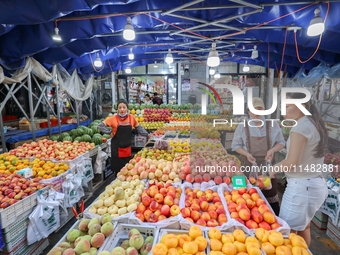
x=156 y=99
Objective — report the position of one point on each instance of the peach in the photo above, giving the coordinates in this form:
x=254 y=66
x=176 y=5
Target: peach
x=241 y=247
x=199 y=194
x=190 y=247
x=206 y=177
x=234 y=192
x=215 y=245
x=242 y=191
x=226 y=180
x=240 y=220
x=220 y=210
x=153 y=206
x=250 y=203
x=195 y=207
x=256 y=216
x=161 y=217
x=214 y=233
x=212 y=207
x=190 y=178
x=240 y=200
x=234 y=197
x=201 y=222
x=209 y=196
x=239 y=235
x=187 y=203
x=213 y=215
x=212 y=223
x=264 y=208
x=244 y=214
x=198 y=178
x=255 y=196
x=227 y=198
x=195 y=215
x=234 y=215
x=189 y=219
x=260 y=202
x=185 y=212
x=251 y=224
x=283 y=250
x=202 y=243
x=269 y=217
x=196 y=201
x=183 y=239
x=252 y=191
x=205 y=216
x=204 y=206
x=232 y=207
x=173 y=251
x=218 y=180
x=229 y=248
x=246 y=196
x=241 y=206
x=264 y=225
x=222 y=218
x=194 y=232
x=255 y=208
x=276 y=238
x=159 y=198
x=216 y=199
x=275 y=225
x=268 y=248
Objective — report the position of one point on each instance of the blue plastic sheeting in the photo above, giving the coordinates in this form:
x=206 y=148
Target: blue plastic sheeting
x=42 y=132
x=26 y=28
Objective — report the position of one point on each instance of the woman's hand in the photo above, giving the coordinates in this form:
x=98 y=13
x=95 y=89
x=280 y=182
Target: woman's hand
x=270 y=155
x=250 y=158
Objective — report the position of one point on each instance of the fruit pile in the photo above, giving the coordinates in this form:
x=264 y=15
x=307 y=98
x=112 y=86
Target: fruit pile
x=156 y=154
x=118 y=198
x=87 y=239
x=14 y=187
x=192 y=243
x=203 y=208
x=159 y=202
x=272 y=242
x=47 y=149
x=136 y=244
x=236 y=242
x=247 y=207
x=141 y=168
x=179 y=145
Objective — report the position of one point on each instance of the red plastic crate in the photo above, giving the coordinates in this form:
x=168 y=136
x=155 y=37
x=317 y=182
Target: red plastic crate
x=65 y=119
x=45 y=124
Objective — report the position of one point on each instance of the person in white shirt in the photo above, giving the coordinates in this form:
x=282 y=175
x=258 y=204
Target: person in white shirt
x=147 y=99
x=306 y=188
x=257 y=143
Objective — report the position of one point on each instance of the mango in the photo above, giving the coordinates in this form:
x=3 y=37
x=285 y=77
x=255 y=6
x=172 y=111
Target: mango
x=131 y=251
x=93 y=251
x=149 y=239
x=82 y=247
x=229 y=248
x=215 y=245
x=125 y=244
x=239 y=235
x=72 y=235
x=92 y=222
x=146 y=248
x=262 y=234
x=299 y=241
x=83 y=225
x=64 y=245
x=97 y=240
x=136 y=241
x=275 y=238
x=55 y=251
x=118 y=251
x=299 y=251
x=94 y=229
x=133 y=231
x=87 y=237
x=69 y=252
x=268 y=248
x=107 y=228
x=85 y=253
x=241 y=247
x=106 y=218
x=253 y=249
x=77 y=240
x=283 y=250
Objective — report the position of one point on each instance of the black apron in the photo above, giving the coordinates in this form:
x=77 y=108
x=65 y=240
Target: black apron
x=258 y=147
x=122 y=139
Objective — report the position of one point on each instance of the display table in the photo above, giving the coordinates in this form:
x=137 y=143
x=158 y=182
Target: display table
x=15 y=136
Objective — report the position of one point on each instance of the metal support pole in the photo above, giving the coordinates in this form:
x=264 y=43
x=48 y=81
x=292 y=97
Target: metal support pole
x=48 y=114
x=279 y=92
x=91 y=103
x=179 y=85
x=58 y=109
x=113 y=88
x=30 y=100
x=77 y=111
x=3 y=140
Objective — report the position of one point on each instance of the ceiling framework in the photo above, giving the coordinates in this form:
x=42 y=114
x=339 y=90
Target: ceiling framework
x=276 y=27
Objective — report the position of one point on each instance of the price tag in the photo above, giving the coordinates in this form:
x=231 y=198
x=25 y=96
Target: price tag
x=239 y=181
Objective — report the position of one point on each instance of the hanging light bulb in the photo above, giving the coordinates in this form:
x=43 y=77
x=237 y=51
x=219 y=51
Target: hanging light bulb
x=128 y=70
x=255 y=53
x=169 y=59
x=213 y=58
x=246 y=68
x=98 y=62
x=217 y=75
x=155 y=65
x=316 y=25
x=211 y=71
x=129 y=32
x=131 y=55
x=56 y=36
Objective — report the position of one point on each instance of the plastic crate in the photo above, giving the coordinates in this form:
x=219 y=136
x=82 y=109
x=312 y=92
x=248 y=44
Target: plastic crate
x=17 y=239
x=121 y=233
x=37 y=248
x=17 y=222
x=333 y=232
x=13 y=212
x=320 y=220
x=14 y=232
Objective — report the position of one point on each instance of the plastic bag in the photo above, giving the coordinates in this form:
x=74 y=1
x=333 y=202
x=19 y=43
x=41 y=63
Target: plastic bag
x=84 y=168
x=73 y=190
x=108 y=148
x=44 y=219
x=100 y=163
x=59 y=197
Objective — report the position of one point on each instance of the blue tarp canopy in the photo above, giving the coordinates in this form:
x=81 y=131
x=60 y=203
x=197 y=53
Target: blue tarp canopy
x=188 y=28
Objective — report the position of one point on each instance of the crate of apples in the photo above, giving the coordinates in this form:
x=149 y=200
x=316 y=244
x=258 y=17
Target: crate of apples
x=250 y=208
x=159 y=203
x=203 y=208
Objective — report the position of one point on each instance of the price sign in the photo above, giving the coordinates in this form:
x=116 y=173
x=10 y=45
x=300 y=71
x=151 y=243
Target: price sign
x=239 y=181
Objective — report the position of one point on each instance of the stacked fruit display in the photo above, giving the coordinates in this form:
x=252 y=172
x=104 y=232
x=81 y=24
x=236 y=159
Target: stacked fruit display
x=159 y=202
x=136 y=244
x=146 y=168
x=248 y=208
x=204 y=208
x=87 y=239
x=192 y=243
x=179 y=145
x=47 y=149
x=89 y=134
x=119 y=198
x=236 y=242
x=152 y=125
x=273 y=242
x=14 y=187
